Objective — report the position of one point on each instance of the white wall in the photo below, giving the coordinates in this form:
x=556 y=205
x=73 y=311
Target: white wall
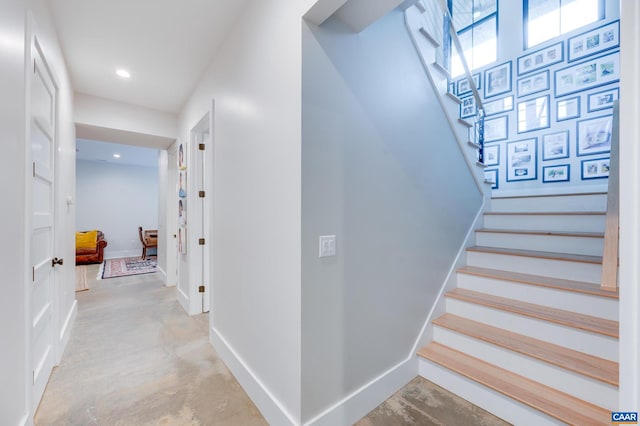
x=255 y=81
x=383 y=172
x=116 y=199
x=14 y=401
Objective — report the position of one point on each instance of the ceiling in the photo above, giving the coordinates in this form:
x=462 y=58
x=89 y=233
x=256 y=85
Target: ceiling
x=90 y=150
x=165 y=45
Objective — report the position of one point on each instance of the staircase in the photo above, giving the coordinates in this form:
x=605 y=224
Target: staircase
x=528 y=334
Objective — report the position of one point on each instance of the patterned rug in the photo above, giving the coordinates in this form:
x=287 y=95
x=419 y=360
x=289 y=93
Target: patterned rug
x=122 y=267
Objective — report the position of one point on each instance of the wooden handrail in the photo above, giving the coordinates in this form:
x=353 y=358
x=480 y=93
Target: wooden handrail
x=609 y=280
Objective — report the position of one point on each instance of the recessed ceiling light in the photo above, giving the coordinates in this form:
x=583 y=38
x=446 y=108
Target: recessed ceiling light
x=116 y=155
x=121 y=72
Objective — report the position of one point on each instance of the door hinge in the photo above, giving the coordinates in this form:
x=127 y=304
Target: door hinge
x=201 y=194
x=201 y=241
x=201 y=146
x=201 y=289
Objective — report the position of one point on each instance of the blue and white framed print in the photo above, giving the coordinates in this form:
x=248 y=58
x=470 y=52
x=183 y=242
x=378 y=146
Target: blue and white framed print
x=602 y=100
x=491 y=176
x=496 y=129
x=555 y=145
x=541 y=58
x=567 y=109
x=464 y=87
x=533 y=83
x=594 y=135
x=533 y=114
x=597 y=168
x=558 y=173
x=497 y=80
x=468 y=107
x=492 y=155
x=498 y=106
x=594 y=41
x=588 y=74
x=522 y=160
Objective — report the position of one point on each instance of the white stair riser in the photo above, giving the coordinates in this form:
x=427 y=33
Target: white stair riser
x=565 y=203
x=533 y=222
x=572 y=338
x=586 y=304
x=496 y=403
x=577 y=271
x=591 y=246
x=586 y=388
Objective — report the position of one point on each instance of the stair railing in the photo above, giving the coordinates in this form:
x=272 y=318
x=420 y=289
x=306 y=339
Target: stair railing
x=609 y=280
x=438 y=13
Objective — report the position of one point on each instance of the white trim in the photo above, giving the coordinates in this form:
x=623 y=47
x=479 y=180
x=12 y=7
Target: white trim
x=272 y=410
x=65 y=332
x=183 y=299
x=584 y=189
x=629 y=277
x=25 y=420
x=438 y=307
x=163 y=276
x=362 y=401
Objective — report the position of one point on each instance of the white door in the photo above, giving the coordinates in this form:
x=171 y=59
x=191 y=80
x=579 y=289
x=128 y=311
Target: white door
x=42 y=140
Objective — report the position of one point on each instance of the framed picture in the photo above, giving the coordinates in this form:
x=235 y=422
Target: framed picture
x=602 y=100
x=468 y=107
x=182 y=211
x=541 y=58
x=567 y=109
x=533 y=83
x=522 y=160
x=587 y=75
x=533 y=114
x=182 y=240
x=491 y=155
x=498 y=106
x=491 y=176
x=182 y=156
x=595 y=169
x=496 y=129
x=594 y=41
x=594 y=135
x=555 y=145
x=463 y=84
x=452 y=88
x=182 y=183
x=559 y=173
x=497 y=80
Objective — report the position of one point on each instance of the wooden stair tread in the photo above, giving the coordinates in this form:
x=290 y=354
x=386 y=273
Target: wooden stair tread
x=538 y=254
x=592 y=213
x=588 y=365
x=557 y=283
x=546 y=233
x=545 y=313
x=556 y=404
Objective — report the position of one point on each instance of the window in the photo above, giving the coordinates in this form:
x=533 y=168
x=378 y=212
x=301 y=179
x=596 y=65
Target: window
x=477 y=24
x=547 y=19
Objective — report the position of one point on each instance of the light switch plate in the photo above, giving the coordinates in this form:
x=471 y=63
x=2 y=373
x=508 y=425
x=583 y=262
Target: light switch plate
x=327 y=245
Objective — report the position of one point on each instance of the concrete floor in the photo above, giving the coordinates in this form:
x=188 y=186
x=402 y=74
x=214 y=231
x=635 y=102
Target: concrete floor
x=136 y=358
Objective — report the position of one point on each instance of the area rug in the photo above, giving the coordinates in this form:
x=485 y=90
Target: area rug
x=125 y=266
x=81 y=278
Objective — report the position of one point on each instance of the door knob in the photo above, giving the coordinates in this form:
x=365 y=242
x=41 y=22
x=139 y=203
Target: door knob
x=55 y=261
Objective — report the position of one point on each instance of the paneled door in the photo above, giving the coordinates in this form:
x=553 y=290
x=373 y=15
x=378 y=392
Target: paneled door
x=42 y=140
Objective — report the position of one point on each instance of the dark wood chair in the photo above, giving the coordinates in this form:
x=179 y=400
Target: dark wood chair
x=149 y=239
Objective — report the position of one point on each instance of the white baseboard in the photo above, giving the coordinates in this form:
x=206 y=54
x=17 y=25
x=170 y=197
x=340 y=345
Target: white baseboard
x=163 y=276
x=183 y=299
x=25 y=420
x=65 y=331
x=272 y=410
x=359 y=403
x=122 y=253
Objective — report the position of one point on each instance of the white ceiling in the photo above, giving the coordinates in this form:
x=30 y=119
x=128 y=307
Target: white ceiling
x=164 y=44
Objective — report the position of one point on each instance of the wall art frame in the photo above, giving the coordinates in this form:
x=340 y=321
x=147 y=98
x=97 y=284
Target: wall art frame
x=497 y=80
x=592 y=73
x=594 y=135
x=555 y=145
x=533 y=114
x=468 y=107
x=594 y=41
x=491 y=176
x=522 y=160
x=596 y=168
x=496 y=129
x=567 y=109
x=556 y=173
x=533 y=83
x=463 y=87
x=492 y=155
x=541 y=58
x=603 y=99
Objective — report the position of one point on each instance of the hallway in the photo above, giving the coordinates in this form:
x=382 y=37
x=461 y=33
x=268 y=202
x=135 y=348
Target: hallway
x=136 y=358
